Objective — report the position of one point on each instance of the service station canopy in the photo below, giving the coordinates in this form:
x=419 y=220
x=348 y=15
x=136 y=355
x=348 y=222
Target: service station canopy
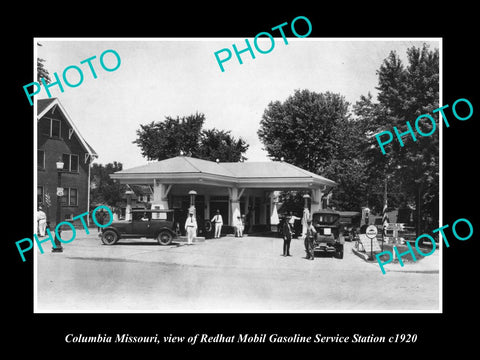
x=249 y=181
x=273 y=175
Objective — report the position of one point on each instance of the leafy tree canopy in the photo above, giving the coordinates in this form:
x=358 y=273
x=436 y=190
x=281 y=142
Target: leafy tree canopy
x=103 y=189
x=305 y=129
x=317 y=132
x=165 y=139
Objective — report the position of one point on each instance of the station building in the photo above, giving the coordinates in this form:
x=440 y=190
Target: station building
x=230 y=187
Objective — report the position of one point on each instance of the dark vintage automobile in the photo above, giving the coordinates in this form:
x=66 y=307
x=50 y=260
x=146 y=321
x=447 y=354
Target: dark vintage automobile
x=156 y=224
x=328 y=239
x=349 y=224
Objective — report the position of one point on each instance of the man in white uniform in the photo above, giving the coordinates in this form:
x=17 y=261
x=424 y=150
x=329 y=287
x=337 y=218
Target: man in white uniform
x=218 y=224
x=305 y=218
x=191 y=227
x=42 y=221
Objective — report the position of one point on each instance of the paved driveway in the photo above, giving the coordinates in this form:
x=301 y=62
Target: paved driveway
x=225 y=275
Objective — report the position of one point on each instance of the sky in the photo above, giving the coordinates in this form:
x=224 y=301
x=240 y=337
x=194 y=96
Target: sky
x=179 y=77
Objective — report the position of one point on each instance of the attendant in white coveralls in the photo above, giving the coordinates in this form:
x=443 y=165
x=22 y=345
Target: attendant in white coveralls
x=42 y=221
x=218 y=224
x=191 y=227
x=305 y=218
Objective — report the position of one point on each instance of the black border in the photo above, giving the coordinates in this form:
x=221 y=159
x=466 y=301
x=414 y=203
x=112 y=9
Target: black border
x=46 y=332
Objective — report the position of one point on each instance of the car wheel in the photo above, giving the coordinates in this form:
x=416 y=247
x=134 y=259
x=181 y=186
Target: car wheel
x=109 y=237
x=164 y=238
x=208 y=226
x=339 y=254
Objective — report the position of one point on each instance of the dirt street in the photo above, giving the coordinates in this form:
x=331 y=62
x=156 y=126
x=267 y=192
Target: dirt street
x=225 y=275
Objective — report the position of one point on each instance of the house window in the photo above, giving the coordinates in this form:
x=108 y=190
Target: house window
x=70 y=197
x=55 y=128
x=73 y=199
x=74 y=163
x=41 y=159
x=64 y=198
x=70 y=162
x=40 y=195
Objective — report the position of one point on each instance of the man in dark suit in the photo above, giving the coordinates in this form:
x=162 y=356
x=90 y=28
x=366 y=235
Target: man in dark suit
x=287 y=237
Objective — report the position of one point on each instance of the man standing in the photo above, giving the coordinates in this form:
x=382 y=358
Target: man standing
x=309 y=240
x=217 y=219
x=241 y=225
x=100 y=216
x=287 y=237
x=42 y=221
x=190 y=227
x=305 y=217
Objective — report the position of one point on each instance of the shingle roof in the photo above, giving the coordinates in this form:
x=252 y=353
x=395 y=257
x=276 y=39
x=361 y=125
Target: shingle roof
x=179 y=164
x=269 y=169
x=44 y=105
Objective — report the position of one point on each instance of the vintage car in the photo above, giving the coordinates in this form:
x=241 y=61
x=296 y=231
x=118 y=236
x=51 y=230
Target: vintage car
x=349 y=224
x=156 y=224
x=328 y=239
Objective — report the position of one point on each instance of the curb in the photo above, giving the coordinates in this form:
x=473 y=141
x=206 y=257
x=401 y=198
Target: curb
x=361 y=254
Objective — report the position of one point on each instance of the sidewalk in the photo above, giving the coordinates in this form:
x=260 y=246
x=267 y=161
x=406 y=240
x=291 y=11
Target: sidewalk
x=428 y=264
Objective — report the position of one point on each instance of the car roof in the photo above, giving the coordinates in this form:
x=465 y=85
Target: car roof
x=151 y=210
x=349 y=213
x=326 y=211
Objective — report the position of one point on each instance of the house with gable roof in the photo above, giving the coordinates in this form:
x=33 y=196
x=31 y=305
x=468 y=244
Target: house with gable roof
x=59 y=139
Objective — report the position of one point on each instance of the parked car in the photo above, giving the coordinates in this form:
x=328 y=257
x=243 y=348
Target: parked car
x=156 y=224
x=350 y=224
x=328 y=239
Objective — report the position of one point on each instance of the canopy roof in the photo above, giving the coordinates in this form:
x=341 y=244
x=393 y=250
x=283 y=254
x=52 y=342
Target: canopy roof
x=184 y=169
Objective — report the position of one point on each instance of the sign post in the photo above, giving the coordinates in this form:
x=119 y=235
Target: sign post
x=371 y=233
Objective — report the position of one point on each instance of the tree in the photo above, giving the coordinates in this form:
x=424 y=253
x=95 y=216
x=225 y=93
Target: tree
x=405 y=92
x=304 y=129
x=315 y=132
x=166 y=139
x=417 y=163
x=105 y=190
x=219 y=144
x=42 y=71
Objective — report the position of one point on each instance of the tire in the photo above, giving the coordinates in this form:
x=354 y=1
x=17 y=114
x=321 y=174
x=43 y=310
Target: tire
x=208 y=226
x=165 y=238
x=109 y=237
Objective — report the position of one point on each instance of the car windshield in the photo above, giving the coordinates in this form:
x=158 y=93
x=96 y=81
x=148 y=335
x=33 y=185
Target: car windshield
x=325 y=218
x=141 y=216
x=149 y=215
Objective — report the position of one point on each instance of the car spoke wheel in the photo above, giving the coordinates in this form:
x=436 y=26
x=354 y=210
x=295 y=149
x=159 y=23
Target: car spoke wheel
x=164 y=238
x=208 y=226
x=109 y=237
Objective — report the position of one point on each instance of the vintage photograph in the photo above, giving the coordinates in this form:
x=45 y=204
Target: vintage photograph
x=209 y=175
